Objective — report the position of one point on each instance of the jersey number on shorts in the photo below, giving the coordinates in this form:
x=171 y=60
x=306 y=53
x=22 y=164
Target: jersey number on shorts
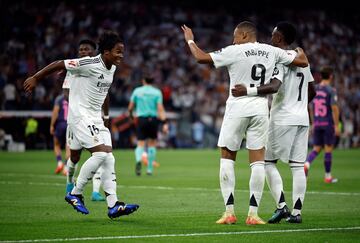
x=93 y=130
x=258 y=73
x=301 y=76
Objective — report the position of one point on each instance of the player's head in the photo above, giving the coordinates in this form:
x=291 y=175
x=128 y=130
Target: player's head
x=284 y=33
x=245 y=32
x=327 y=73
x=86 y=48
x=111 y=47
x=147 y=78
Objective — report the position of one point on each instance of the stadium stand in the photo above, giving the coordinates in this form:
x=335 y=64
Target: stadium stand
x=153 y=39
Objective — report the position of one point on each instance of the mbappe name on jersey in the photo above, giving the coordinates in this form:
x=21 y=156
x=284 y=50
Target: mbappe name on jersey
x=253 y=52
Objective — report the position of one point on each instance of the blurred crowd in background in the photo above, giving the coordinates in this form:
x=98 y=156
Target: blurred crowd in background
x=153 y=39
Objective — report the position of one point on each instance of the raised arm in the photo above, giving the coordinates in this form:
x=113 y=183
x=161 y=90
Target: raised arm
x=270 y=88
x=32 y=81
x=200 y=55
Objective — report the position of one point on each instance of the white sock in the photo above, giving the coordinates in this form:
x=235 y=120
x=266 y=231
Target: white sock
x=227 y=183
x=256 y=186
x=71 y=168
x=88 y=170
x=108 y=178
x=97 y=180
x=275 y=184
x=299 y=188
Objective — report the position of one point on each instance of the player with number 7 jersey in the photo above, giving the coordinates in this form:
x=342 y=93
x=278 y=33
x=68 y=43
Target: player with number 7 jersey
x=251 y=64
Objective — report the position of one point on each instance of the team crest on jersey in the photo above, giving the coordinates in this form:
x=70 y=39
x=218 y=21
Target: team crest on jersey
x=276 y=71
x=73 y=63
x=96 y=139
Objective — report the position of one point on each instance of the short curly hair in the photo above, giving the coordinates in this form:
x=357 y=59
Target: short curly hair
x=108 y=40
x=288 y=30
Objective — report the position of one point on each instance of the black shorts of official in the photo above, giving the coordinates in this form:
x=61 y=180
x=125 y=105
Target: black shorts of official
x=147 y=128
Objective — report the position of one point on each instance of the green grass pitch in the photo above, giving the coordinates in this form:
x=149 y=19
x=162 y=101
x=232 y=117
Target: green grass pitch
x=179 y=203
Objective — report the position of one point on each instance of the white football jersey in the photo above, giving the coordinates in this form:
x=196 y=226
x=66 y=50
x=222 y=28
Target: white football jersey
x=250 y=64
x=89 y=88
x=68 y=78
x=290 y=103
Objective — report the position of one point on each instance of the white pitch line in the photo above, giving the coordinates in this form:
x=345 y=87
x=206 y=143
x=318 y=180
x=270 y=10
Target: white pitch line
x=172 y=188
x=184 y=235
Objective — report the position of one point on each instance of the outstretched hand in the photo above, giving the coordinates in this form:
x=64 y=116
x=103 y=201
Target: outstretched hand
x=239 y=90
x=29 y=84
x=188 y=34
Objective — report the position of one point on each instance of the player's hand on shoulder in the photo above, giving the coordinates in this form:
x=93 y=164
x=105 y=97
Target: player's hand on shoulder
x=188 y=34
x=239 y=90
x=299 y=50
x=29 y=84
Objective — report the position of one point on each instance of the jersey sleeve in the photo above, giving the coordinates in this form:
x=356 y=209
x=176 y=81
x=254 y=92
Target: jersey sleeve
x=284 y=57
x=68 y=78
x=159 y=98
x=224 y=56
x=133 y=96
x=309 y=75
x=279 y=72
x=78 y=65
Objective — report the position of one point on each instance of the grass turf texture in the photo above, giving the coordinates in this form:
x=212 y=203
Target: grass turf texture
x=182 y=197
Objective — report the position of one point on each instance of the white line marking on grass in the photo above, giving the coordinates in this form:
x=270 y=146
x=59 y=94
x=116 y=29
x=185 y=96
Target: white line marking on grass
x=185 y=235
x=173 y=188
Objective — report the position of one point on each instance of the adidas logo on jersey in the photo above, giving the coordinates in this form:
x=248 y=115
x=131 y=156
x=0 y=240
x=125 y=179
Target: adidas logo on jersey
x=101 y=76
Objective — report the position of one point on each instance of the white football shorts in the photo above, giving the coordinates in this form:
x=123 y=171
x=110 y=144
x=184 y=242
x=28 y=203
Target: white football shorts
x=87 y=134
x=234 y=129
x=287 y=142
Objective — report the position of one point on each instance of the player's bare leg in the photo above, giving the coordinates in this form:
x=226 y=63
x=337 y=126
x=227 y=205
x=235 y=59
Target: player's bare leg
x=227 y=185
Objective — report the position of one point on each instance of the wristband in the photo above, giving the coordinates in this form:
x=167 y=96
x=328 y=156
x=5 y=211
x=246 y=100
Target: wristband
x=190 y=41
x=251 y=91
x=106 y=117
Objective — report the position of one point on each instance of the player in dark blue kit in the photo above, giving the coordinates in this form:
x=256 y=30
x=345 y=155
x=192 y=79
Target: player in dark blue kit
x=325 y=122
x=58 y=126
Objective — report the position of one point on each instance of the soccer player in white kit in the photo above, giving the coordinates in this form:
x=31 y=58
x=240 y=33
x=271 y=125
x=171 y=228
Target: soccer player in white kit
x=86 y=128
x=252 y=64
x=86 y=48
x=289 y=126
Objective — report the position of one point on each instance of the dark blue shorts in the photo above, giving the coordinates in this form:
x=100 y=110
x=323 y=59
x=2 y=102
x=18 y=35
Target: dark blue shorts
x=60 y=131
x=324 y=135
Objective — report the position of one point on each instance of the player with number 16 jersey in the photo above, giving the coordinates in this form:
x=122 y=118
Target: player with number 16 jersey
x=86 y=98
